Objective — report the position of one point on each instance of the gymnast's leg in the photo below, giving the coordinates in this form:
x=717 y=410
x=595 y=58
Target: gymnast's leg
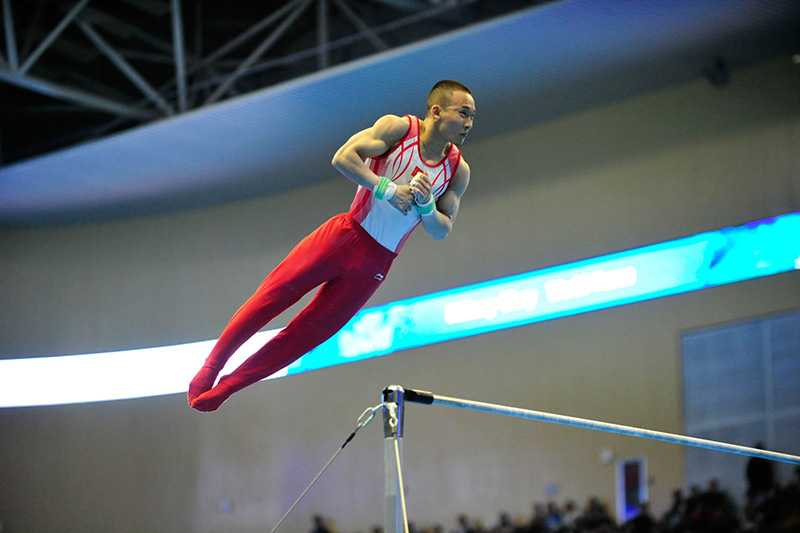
x=303 y=269
x=333 y=306
x=267 y=302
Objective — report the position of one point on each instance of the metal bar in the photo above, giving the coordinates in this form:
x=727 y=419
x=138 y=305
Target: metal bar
x=168 y=56
x=68 y=94
x=376 y=41
x=11 y=40
x=204 y=85
x=150 y=57
x=30 y=33
x=155 y=8
x=341 y=42
x=198 y=45
x=180 y=60
x=345 y=41
x=322 y=34
x=237 y=41
x=429 y=398
x=104 y=129
x=156 y=42
x=45 y=44
x=261 y=49
x=125 y=67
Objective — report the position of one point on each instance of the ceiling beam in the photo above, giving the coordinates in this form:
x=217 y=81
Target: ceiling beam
x=153 y=7
x=52 y=36
x=265 y=45
x=125 y=67
x=322 y=34
x=180 y=60
x=33 y=25
x=249 y=33
x=11 y=40
x=68 y=94
x=362 y=26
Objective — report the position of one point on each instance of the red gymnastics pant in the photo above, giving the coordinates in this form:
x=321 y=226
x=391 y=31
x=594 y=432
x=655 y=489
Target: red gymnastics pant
x=341 y=257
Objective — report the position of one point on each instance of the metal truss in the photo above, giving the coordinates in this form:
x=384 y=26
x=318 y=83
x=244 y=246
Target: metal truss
x=74 y=70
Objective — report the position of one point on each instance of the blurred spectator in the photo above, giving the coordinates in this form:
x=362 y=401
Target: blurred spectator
x=504 y=524
x=537 y=522
x=320 y=525
x=553 y=520
x=760 y=487
x=789 y=507
x=463 y=525
x=760 y=476
x=709 y=511
x=570 y=515
x=713 y=512
x=596 y=518
x=692 y=507
x=642 y=522
x=672 y=520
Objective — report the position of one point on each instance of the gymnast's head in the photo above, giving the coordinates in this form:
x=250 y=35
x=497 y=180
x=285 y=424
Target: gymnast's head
x=451 y=108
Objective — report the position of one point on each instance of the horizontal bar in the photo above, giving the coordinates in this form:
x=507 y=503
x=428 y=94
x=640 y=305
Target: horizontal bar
x=433 y=399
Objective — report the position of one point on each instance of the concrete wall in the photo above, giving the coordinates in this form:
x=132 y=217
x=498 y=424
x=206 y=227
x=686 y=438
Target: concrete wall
x=658 y=167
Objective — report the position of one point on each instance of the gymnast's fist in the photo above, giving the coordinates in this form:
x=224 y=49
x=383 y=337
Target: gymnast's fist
x=402 y=199
x=421 y=187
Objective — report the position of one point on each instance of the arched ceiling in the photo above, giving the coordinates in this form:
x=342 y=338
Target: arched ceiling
x=122 y=108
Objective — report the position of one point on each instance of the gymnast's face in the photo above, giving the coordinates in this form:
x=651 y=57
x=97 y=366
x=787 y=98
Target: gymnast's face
x=456 y=118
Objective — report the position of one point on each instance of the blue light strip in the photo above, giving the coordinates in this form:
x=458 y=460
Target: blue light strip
x=706 y=260
x=709 y=259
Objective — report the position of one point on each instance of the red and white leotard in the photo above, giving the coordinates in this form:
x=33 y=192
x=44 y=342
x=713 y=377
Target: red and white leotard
x=348 y=256
x=382 y=221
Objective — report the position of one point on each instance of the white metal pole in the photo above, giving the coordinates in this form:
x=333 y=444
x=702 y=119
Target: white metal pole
x=425 y=397
x=393 y=429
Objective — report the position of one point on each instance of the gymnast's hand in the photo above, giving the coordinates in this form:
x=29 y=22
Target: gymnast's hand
x=421 y=187
x=402 y=199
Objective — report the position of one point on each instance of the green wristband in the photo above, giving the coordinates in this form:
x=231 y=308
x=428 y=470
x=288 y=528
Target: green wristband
x=380 y=188
x=426 y=209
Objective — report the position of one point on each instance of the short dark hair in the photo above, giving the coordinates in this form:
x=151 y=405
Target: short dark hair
x=442 y=91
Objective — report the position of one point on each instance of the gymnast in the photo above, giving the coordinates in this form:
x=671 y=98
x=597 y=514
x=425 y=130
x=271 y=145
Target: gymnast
x=407 y=171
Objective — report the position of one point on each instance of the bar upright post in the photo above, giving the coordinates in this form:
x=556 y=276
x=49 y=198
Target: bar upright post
x=393 y=429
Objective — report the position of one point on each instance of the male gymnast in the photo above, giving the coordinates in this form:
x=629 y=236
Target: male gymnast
x=408 y=171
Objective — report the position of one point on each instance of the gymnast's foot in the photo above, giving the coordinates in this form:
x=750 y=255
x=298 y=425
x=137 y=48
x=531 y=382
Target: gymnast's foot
x=202 y=382
x=212 y=399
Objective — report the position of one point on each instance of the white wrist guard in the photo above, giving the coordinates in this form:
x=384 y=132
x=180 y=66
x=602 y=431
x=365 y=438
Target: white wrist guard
x=384 y=189
x=389 y=191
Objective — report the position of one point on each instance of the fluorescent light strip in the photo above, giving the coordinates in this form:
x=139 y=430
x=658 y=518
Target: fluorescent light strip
x=709 y=259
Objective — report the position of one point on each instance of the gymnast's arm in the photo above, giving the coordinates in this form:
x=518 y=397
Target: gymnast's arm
x=373 y=142
x=440 y=222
